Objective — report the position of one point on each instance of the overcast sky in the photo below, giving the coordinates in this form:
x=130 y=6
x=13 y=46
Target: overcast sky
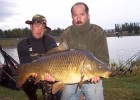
x=105 y=13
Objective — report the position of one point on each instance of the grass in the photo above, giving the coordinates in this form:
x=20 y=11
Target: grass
x=123 y=88
x=16 y=94
x=8 y=42
x=14 y=41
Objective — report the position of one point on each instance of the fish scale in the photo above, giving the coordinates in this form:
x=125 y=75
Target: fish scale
x=66 y=66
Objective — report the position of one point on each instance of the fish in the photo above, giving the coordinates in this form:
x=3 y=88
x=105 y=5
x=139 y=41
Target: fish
x=66 y=67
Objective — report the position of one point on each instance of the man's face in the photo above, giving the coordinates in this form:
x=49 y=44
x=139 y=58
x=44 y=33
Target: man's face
x=79 y=15
x=38 y=30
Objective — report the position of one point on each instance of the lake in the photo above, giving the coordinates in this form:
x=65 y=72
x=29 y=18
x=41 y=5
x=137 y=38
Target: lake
x=120 y=49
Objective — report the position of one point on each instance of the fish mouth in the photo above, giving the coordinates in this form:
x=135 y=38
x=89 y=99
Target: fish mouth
x=106 y=74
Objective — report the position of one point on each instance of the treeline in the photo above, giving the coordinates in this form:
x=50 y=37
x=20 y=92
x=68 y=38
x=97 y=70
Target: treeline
x=120 y=29
x=20 y=33
x=129 y=27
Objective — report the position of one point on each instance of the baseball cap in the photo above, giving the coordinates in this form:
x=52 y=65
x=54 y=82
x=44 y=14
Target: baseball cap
x=38 y=19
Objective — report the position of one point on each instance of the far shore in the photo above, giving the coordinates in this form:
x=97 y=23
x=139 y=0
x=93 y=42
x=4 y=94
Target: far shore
x=12 y=42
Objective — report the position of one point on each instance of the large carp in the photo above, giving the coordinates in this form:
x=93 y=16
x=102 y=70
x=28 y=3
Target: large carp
x=69 y=66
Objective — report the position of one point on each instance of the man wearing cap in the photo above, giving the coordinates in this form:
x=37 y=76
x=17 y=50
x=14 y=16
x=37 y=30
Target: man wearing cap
x=33 y=47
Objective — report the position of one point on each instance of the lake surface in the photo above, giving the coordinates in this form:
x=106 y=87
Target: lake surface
x=120 y=49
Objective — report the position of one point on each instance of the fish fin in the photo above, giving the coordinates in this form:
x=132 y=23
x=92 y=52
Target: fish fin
x=53 y=50
x=82 y=75
x=81 y=81
x=57 y=86
x=63 y=46
x=37 y=80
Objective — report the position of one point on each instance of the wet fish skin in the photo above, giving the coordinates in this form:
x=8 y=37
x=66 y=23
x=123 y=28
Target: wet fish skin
x=65 y=66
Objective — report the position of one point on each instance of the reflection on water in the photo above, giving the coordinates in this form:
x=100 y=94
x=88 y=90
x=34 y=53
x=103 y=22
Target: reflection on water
x=120 y=49
x=12 y=52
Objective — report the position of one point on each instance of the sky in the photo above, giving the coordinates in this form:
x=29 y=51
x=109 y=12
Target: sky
x=105 y=13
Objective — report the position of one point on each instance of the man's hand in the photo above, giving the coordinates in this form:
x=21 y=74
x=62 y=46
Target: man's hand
x=47 y=77
x=95 y=80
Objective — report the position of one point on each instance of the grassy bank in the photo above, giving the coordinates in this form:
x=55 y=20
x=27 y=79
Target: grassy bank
x=124 y=88
x=9 y=42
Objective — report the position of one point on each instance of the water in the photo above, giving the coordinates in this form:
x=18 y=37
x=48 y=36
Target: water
x=12 y=52
x=120 y=49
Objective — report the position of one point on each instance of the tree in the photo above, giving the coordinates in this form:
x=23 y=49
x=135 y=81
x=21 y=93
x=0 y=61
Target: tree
x=1 y=33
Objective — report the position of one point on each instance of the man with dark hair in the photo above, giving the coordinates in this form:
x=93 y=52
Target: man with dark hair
x=83 y=35
x=33 y=48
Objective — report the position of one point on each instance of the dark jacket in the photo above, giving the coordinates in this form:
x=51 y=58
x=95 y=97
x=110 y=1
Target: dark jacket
x=88 y=36
x=34 y=47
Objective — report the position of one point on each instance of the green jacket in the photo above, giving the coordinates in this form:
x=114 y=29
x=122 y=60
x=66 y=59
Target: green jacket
x=88 y=36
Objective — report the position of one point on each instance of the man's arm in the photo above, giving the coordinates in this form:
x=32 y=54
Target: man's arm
x=101 y=51
x=23 y=52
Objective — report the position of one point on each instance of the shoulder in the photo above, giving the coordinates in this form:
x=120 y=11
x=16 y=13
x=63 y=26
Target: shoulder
x=97 y=30
x=67 y=30
x=49 y=39
x=96 y=27
x=47 y=36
